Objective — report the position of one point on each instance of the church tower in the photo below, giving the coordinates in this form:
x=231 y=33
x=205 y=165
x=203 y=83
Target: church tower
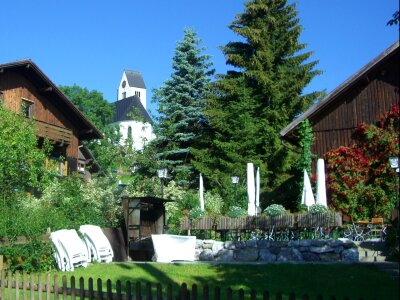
x=132 y=84
x=130 y=111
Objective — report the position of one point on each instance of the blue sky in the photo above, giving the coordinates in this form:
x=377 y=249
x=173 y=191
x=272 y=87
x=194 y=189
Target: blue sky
x=90 y=42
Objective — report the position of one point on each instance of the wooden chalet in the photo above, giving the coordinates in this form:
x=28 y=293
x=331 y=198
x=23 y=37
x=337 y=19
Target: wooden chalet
x=26 y=89
x=360 y=99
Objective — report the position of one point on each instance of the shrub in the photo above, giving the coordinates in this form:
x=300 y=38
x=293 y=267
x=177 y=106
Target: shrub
x=213 y=203
x=196 y=213
x=317 y=209
x=275 y=210
x=236 y=212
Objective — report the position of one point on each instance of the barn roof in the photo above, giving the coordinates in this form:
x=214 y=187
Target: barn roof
x=317 y=108
x=86 y=129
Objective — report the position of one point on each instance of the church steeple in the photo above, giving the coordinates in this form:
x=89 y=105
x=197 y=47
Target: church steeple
x=132 y=84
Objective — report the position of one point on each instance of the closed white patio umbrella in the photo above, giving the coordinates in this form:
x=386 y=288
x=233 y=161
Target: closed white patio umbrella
x=201 y=192
x=308 y=197
x=321 y=184
x=251 y=211
x=257 y=209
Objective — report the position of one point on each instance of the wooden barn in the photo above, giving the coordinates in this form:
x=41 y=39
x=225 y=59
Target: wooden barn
x=26 y=89
x=360 y=99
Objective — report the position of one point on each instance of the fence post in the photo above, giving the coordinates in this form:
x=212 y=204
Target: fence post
x=109 y=289
x=90 y=286
x=99 y=289
x=1 y=265
x=82 y=288
x=128 y=291
x=55 y=287
x=118 y=289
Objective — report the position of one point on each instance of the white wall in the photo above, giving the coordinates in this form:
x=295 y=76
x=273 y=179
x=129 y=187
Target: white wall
x=142 y=133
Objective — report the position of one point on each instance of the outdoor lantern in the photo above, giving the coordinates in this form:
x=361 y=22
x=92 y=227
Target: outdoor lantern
x=394 y=162
x=162 y=172
x=235 y=179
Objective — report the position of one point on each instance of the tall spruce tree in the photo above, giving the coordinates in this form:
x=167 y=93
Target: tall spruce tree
x=181 y=120
x=261 y=95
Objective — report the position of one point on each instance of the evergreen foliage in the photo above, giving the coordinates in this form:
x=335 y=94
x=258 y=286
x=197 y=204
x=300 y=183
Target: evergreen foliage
x=258 y=97
x=181 y=120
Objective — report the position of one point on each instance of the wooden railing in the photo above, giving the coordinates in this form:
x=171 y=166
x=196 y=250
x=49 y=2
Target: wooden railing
x=15 y=286
x=53 y=132
x=264 y=222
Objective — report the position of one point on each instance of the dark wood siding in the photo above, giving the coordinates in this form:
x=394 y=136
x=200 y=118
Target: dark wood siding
x=365 y=101
x=15 y=87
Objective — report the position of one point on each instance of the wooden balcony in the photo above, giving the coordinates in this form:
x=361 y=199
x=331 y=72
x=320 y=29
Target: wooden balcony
x=53 y=133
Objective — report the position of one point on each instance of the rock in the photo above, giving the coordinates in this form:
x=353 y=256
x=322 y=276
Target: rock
x=250 y=254
x=294 y=244
x=304 y=243
x=197 y=253
x=251 y=243
x=208 y=244
x=199 y=244
x=225 y=255
x=290 y=254
x=265 y=255
x=240 y=245
x=206 y=255
x=318 y=243
x=309 y=256
x=334 y=243
x=339 y=249
x=350 y=255
x=329 y=257
x=217 y=247
x=304 y=249
x=323 y=249
x=229 y=245
x=347 y=243
x=262 y=244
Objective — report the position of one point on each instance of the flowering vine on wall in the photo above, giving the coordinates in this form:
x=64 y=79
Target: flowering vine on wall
x=361 y=182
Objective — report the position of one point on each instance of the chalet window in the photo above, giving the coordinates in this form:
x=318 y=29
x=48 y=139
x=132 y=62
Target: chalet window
x=123 y=95
x=137 y=94
x=27 y=108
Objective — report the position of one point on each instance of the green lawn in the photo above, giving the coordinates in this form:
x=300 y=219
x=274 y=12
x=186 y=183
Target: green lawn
x=340 y=280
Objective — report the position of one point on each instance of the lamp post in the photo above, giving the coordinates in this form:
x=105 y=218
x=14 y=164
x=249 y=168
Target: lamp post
x=162 y=174
x=394 y=164
x=235 y=181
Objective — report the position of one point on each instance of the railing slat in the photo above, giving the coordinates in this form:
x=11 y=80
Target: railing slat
x=9 y=284
x=48 y=287
x=81 y=288
x=139 y=291
x=64 y=287
x=55 y=287
x=128 y=291
x=109 y=289
x=32 y=286
x=90 y=287
x=118 y=289
x=16 y=285
x=40 y=287
x=73 y=292
x=99 y=289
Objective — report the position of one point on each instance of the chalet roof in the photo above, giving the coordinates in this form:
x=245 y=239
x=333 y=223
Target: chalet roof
x=135 y=79
x=85 y=129
x=318 y=107
x=128 y=105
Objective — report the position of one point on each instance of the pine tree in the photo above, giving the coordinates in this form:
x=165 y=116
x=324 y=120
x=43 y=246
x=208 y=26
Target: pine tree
x=181 y=120
x=260 y=96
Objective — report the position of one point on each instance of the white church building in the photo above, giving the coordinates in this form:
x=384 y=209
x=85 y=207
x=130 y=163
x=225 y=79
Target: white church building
x=130 y=110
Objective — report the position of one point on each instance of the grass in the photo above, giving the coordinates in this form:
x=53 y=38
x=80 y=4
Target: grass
x=340 y=280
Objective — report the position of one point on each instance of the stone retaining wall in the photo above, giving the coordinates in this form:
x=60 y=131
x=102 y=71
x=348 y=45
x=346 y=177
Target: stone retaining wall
x=343 y=250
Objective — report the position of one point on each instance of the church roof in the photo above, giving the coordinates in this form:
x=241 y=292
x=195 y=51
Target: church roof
x=130 y=105
x=135 y=79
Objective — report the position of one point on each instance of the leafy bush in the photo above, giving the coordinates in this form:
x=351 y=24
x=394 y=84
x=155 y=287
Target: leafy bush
x=213 y=203
x=35 y=256
x=196 y=213
x=317 y=209
x=236 y=212
x=275 y=210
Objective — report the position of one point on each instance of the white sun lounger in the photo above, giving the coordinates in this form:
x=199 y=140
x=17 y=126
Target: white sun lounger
x=70 y=250
x=97 y=244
